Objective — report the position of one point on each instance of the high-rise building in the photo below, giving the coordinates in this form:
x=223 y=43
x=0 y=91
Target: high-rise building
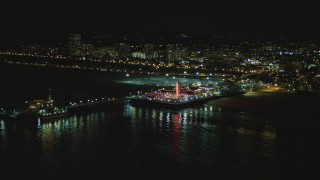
x=74 y=40
x=123 y=49
x=74 y=44
x=148 y=48
x=176 y=53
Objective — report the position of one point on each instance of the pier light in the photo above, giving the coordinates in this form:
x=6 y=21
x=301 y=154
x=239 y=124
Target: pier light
x=96 y=99
x=88 y=100
x=127 y=75
x=102 y=98
x=210 y=74
x=185 y=72
x=167 y=74
x=197 y=73
x=80 y=101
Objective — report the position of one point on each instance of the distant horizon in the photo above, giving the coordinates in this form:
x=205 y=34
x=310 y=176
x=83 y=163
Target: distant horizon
x=55 y=36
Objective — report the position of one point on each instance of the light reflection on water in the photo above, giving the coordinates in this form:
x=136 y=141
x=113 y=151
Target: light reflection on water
x=204 y=134
x=255 y=136
x=204 y=142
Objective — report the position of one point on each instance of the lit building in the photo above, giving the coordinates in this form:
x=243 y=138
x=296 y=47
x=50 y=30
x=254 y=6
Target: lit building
x=148 y=47
x=123 y=49
x=145 y=55
x=74 y=40
x=176 y=53
x=74 y=44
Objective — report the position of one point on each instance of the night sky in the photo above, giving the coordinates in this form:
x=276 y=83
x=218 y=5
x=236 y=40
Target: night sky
x=263 y=18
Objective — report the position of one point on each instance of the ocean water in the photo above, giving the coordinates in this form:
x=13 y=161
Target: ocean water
x=254 y=136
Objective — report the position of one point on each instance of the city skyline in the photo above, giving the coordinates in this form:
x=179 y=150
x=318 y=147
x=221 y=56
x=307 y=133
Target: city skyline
x=180 y=89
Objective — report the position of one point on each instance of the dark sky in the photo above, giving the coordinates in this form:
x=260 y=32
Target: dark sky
x=190 y=16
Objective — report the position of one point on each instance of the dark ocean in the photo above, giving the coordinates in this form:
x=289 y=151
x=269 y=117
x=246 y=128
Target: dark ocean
x=252 y=136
